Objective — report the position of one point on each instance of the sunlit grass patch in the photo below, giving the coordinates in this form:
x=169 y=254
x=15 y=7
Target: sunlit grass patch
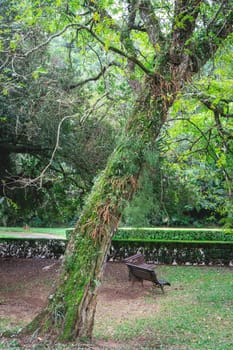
x=11 y=232
x=195 y=313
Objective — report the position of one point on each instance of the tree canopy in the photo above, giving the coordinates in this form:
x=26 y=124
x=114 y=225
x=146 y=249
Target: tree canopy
x=88 y=62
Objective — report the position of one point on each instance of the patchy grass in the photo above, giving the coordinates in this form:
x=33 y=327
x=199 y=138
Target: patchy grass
x=195 y=313
x=8 y=324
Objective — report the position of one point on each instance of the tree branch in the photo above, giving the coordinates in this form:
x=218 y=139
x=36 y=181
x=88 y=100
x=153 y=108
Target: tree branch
x=100 y=74
x=46 y=42
x=218 y=111
x=83 y=27
x=202 y=133
x=151 y=22
x=185 y=15
x=207 y=41
x=121 y=53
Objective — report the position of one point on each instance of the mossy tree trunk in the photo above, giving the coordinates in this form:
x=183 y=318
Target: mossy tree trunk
x=70 y=312
x=71 y=309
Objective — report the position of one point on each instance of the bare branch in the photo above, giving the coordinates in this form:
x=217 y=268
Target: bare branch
x=93 y=108
x=85 y=81
x=41 y=176
x=24 y=182
x=4 y=64
x=46 y=42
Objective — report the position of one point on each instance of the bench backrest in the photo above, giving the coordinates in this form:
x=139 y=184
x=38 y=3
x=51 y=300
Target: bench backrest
x=142 y=273
x=136 y=259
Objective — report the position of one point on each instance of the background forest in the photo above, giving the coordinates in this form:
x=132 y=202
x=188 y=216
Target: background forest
x=62 y=108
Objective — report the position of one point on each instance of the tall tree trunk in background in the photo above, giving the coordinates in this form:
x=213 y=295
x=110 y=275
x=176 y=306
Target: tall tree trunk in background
x=71 y=309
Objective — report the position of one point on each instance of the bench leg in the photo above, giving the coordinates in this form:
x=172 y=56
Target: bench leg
x=134 y=279
x=161 y=286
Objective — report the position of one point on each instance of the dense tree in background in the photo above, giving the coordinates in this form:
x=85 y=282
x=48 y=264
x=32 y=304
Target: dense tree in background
x=72 y=76
x=165 y=199
x=168 y=43
x=39 y=99
x=201 y=138
x=194 y=186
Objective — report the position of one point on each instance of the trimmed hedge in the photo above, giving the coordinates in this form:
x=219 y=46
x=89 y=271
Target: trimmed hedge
x=157 y=250
x=174 y=245
x=176 y=234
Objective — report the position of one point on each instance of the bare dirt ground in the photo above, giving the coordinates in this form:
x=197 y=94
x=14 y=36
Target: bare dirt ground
x=26 y=283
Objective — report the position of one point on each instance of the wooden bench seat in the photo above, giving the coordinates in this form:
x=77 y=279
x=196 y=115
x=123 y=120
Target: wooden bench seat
x=139 y=271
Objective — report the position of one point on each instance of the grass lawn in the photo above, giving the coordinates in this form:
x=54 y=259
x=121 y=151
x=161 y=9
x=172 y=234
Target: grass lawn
x=195 y=313
x=11 y=232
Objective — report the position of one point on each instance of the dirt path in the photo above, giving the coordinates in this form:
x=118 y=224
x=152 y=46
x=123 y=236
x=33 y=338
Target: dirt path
x=26 y=283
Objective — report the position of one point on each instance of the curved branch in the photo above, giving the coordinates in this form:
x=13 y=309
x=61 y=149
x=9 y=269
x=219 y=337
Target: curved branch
x=203 y=135
x=85 y=81
x=4 y=63
x=208 y=147
x=46 y=42
x=121 y=53
x=218 y=111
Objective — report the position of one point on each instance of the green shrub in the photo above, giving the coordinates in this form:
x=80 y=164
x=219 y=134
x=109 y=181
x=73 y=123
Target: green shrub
x=174 y=234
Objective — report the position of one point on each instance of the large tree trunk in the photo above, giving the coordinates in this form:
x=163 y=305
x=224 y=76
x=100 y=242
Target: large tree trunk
x=71 y=309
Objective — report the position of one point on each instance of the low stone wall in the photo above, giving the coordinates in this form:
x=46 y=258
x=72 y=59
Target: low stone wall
x=44 y=249
x=192 y=253
x=159 y=253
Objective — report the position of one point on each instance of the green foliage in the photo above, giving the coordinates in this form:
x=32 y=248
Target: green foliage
x=174 y=234
x=39 y=82
x=163 y=196
x=169 y=245
x=35 y=88
x=198 y=140
x=166 y=245
x=29 y=136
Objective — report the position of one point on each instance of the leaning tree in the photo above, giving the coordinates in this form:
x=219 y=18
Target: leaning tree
x=169 y=41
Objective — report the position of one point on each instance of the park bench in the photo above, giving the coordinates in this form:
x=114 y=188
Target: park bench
x=137 y=259
x=139 y=271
